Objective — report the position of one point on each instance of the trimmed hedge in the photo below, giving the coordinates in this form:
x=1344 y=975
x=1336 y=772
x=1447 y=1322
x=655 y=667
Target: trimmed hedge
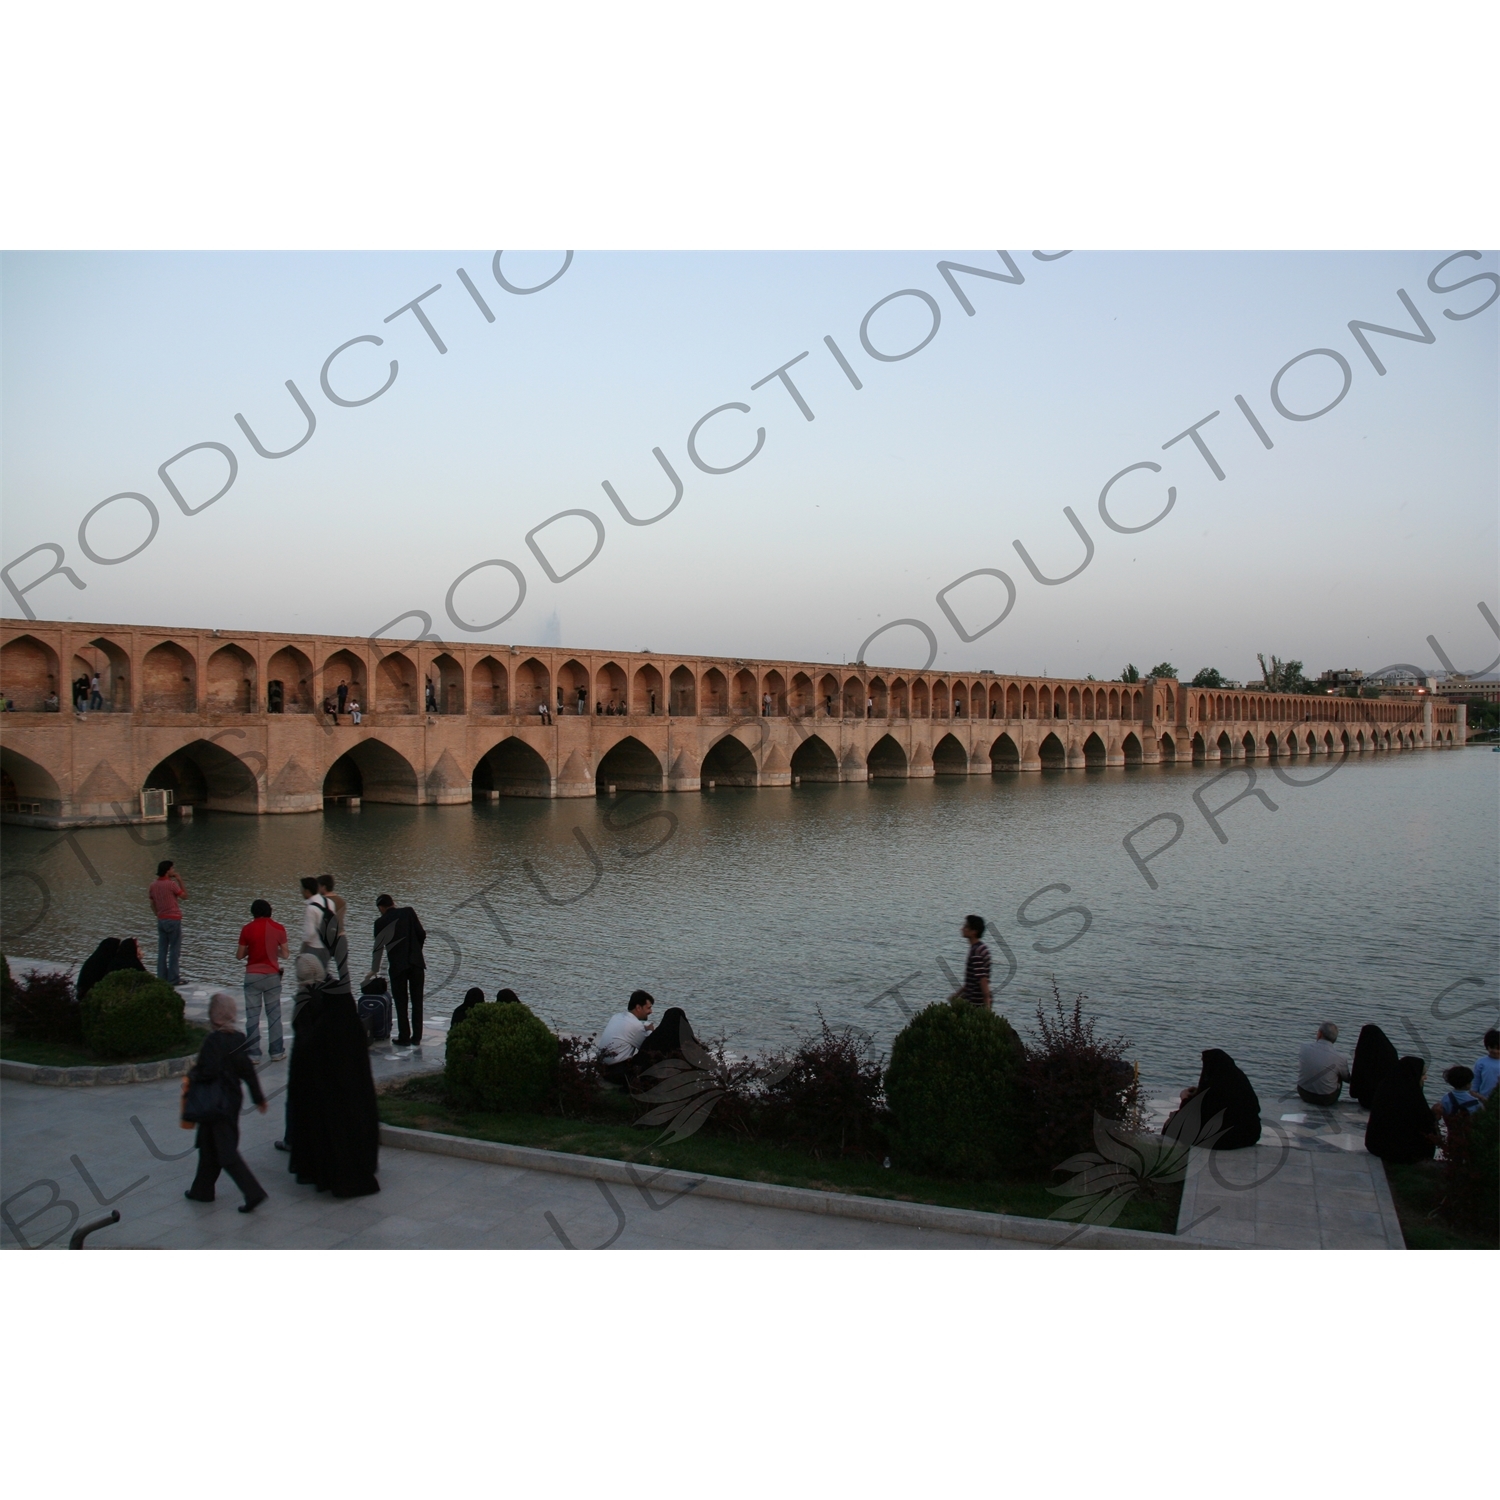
x=955 y=1092
x=502 y=1058
x=129 y=1014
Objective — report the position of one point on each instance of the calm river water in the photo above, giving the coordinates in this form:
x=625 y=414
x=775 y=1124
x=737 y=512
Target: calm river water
x=1367 y=896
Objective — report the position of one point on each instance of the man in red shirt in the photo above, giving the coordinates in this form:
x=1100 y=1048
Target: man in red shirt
x=263 y=946
x=165 y=892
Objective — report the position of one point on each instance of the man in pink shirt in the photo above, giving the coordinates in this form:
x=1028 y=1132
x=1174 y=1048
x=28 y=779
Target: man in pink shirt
x=166 y=891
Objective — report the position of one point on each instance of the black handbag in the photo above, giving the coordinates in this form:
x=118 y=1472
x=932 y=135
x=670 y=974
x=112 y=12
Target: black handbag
x=208 y=1099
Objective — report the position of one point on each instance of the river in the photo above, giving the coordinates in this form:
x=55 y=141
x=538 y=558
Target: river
x=1369 y=895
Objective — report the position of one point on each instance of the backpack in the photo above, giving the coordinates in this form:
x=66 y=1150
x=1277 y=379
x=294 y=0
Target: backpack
x=375 y=1017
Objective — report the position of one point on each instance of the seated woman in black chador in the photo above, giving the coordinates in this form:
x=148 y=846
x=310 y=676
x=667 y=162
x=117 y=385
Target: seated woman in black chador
x=1401 y=1128
x=1222 y=1090
x=1374 y=1061
x=109 y=957
x=471 y=998
x=96 y=966
x=332 y=1114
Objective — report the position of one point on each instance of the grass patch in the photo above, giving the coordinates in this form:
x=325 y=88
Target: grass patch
x=67 y=1055
x=1415 y=1190
x=419 y=1105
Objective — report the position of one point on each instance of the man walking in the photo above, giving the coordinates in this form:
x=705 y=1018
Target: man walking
x=165 y=892
x=262 y=948
x=96 y=698
x=399 y=937
x=976 y=987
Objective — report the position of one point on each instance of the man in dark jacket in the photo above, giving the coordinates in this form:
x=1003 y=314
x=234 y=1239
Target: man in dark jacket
x=399 y=937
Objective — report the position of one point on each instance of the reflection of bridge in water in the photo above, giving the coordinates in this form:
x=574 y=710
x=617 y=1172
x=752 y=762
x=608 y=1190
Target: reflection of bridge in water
x=235 y=722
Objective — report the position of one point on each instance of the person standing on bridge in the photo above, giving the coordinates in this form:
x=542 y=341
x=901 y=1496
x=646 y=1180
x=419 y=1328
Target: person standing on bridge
x=399 y=936
x=96 y=698
x=165 y=892
x=342 y=695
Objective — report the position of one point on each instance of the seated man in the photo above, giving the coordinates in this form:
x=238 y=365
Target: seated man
x=1321 y=1068
x=628 y=1046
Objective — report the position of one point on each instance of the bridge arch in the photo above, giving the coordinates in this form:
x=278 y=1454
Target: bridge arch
x=887 y=759
x=609 y=689
x=532 y=686
x=800 y=700
x=1051 y=753
x=375 y=772
x=513 y=769
x=231 y=681
x=1247 y=743
x=729 y=763
x=29 y=673
x=629 y=766
x=169 y=680
x=815 y=761
x=1005 y=755
x=1094 y=752
x=1167 y=748
x=342 y=666
x=489 y=691
x=1130 y=748
x=645 y=695
x=773 y=686
x=949 y=758
x=682 y=692
x=25 y=785
x=396 y=684
x=205 y=774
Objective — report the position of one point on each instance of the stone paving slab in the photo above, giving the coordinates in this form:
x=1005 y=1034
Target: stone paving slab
x=1308 y=1185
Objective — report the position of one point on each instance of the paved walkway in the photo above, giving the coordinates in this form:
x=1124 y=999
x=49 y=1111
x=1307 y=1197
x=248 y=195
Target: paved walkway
x=1309 y=1185
x=67 y=1156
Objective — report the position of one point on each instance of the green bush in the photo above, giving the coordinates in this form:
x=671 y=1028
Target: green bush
x=130 y=1014
x=502 y=1058
x=955 y=1094
x=1471 y=1172
x=42 y=1007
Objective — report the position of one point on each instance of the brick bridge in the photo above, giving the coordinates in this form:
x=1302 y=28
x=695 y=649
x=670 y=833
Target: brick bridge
x=235 y=722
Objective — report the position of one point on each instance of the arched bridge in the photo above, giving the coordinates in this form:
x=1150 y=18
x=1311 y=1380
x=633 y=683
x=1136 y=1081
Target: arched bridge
x=237 y=722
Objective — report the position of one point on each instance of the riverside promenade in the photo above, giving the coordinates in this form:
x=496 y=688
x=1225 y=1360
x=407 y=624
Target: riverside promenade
x=69 y=1155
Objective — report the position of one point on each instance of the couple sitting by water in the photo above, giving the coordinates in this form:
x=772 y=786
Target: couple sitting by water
x=628 y=1045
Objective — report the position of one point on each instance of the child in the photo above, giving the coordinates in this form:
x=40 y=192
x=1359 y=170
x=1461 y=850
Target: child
x=1458 y=1099
x=223 y=1053
x=1487 y=1068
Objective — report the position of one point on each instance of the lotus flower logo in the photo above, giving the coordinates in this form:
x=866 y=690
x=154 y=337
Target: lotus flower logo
x=1107 y=1179
x=687 y=1089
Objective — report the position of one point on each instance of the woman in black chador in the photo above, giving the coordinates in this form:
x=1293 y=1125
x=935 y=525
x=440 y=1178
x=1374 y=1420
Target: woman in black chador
x=1401 y=1127
x=1222 y=1089
x=1374 y=1061
x=335 y=1126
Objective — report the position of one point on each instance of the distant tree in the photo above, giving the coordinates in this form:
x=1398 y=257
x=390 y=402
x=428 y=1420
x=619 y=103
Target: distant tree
x=1131 y=673
x=1209 y=677
x=1162 y=669
x=1282 y=676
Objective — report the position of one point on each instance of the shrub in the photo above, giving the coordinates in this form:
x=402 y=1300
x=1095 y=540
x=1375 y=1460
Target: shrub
x=502 y=1058
x=1471 y=1171
x=953 y=1089
x=43 y=1008
x=1072 y=1075
x=826 y=1095
x=575 y=1090
x=129 y=1014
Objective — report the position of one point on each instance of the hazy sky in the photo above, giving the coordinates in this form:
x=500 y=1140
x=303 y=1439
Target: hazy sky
x=1356 y=536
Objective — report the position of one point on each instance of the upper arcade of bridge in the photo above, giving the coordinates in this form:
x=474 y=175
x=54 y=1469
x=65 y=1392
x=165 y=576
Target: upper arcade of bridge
x=163 y=673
